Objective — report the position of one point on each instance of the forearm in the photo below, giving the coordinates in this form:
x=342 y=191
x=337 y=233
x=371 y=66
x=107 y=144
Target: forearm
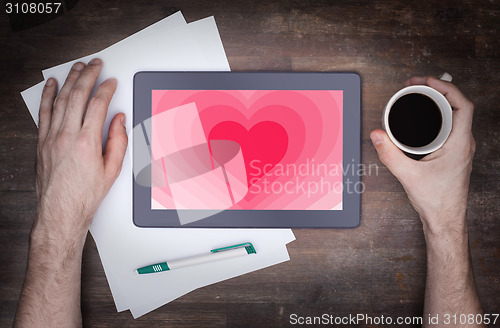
x=450 y=287
x=51 y=292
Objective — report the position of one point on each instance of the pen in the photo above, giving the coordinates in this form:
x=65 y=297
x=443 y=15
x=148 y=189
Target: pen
x=214 y=255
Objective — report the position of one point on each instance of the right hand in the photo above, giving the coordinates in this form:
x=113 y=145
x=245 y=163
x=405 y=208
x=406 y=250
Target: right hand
x=438 y=184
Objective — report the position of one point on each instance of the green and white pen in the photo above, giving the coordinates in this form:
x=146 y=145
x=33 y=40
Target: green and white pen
x=214 y=255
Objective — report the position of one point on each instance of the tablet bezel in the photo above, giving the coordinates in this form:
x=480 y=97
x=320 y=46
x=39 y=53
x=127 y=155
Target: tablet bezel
x=349 y=83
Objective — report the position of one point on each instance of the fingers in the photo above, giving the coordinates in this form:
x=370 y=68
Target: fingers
x=61 y=100
x=392 y=157
x=114 y=151
x=79 y=95
x=464 y=109
x=416 y=80
x=45 y=113
x=98 y=108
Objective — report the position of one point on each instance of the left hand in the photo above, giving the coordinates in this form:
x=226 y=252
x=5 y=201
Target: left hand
x=73 y=173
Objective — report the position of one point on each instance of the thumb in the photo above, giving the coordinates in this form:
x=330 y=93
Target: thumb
x=114 y=152
x=389 y=154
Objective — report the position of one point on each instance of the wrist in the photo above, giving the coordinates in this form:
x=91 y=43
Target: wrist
x=446 y=234
x=62 y=224
x=441 y=223
x=56 y=236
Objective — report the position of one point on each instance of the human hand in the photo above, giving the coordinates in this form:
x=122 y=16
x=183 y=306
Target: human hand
x=73 y=173
x=438 y=184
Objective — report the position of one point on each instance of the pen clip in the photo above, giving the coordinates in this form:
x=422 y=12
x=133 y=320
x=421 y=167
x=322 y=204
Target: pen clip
x=248 y=246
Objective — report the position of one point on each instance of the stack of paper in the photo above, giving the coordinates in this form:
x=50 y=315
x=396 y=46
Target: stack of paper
x=169 y=45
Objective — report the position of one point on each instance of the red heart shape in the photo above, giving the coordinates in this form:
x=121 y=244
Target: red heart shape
x=263 y=146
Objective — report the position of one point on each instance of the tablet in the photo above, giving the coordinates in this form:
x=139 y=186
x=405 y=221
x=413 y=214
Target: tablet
x=246 y=150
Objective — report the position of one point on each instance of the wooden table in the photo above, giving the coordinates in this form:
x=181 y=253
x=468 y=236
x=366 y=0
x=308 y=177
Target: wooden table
x=376 y=269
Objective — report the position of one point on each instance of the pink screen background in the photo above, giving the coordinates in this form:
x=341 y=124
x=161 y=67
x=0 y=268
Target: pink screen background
x=291 y=143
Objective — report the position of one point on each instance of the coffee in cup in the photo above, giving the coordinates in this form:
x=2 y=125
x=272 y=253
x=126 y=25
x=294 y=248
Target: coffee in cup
x=418 y=119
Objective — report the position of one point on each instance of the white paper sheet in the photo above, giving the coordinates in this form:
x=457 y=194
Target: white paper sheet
x=170 y=44
x=32 y=97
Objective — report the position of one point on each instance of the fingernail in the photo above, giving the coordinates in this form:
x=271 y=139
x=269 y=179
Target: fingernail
x=50 y=82
x=95 y=61
x=123 y=120
x=376 y=139
x=112 y=79
x=78 y=66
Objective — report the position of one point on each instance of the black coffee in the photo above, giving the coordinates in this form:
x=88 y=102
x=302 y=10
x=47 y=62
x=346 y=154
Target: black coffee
x=415 y=120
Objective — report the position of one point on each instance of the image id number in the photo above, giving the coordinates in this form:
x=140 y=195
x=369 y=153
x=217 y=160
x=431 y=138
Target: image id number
x=32 y=8
x=471 y=319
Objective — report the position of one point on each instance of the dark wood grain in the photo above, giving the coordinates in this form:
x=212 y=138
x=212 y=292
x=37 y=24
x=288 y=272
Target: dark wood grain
x=377 y=268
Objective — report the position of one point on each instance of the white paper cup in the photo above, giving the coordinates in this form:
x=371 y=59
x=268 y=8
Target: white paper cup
x=444 y=107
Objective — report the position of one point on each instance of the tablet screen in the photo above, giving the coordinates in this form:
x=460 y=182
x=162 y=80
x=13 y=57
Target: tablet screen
x=246 y=149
